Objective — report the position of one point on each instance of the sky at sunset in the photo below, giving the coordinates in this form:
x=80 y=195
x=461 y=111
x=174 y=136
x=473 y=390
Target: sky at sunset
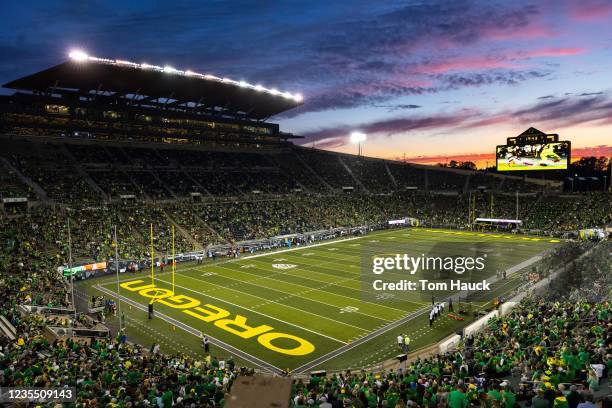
x=431 y=80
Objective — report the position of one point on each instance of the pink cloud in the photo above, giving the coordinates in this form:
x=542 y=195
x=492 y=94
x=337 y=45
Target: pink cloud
x=551 y=52
x=485 y=63
x=597 y=151
x=523 y=33
x=334 y=137
x=591 y=10
x=331 y=142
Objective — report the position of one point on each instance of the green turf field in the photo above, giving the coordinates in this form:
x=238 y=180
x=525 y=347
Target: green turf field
x=292 y=309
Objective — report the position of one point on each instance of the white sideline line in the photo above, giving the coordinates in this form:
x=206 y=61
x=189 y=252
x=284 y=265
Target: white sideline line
x=273 y=252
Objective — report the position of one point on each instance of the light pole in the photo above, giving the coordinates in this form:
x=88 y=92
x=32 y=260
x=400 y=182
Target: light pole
x=70 y=268
x=358 y=137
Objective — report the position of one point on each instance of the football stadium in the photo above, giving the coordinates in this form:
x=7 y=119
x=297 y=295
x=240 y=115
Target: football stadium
x=165 y=242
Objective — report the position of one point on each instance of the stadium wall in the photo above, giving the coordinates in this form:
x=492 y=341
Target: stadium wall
x=479 y=324
x=450 y=343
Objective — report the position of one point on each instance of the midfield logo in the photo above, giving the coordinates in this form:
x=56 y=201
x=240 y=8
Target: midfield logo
x=284 y=266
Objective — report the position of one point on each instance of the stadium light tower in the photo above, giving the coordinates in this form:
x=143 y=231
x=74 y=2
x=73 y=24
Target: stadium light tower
x=358 y=137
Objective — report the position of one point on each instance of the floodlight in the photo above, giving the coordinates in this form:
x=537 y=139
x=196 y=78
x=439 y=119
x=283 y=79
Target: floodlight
x=357 y=137
x=81 y=56
x=78 y=55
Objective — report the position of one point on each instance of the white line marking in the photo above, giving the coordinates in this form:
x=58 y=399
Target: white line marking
x=268 y=301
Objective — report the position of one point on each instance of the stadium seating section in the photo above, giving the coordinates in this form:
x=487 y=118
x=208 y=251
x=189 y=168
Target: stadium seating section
x=220 y=197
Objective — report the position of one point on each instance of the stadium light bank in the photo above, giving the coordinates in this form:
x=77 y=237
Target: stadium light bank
x=81 y=56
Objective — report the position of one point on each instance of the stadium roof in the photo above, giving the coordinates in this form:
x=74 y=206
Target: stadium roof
x=143 y=82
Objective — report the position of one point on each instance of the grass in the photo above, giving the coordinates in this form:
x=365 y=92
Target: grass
x=316 y=293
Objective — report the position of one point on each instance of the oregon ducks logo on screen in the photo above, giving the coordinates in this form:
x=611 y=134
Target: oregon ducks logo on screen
x=221 y=318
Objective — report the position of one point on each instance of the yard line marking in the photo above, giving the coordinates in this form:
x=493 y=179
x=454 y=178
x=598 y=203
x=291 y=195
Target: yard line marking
x=334 y=260
x=263 y=314
x=309 y=290
x=355 y=278
x=360 y=340
x=390 y=326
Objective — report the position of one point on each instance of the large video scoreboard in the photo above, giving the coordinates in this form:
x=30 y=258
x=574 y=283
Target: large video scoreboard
x=533 y=150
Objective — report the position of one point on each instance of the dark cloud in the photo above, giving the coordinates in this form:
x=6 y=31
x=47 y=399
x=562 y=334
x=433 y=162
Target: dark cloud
x=591 y=93
x=568 y=111
x=360 y=94
x=338 y=136
x=546 y=97
x=396 y=107
x=368 y=93
x=504 y=77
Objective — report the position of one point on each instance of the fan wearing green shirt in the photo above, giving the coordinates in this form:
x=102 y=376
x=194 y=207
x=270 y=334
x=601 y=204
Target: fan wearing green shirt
x=494 y=393
x=457 y=398
x=508 y=397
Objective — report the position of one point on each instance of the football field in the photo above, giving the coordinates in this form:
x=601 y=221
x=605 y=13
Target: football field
x=299 y=308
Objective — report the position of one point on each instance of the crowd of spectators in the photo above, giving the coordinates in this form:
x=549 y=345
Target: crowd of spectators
x=11 y=186
x=407 y=176
x=543 y=354
x=201 y=224
x=547 y=352
x=142 y=216
x=329 y=167
x=113 y=373
x=527 y=355
x=107 y=372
